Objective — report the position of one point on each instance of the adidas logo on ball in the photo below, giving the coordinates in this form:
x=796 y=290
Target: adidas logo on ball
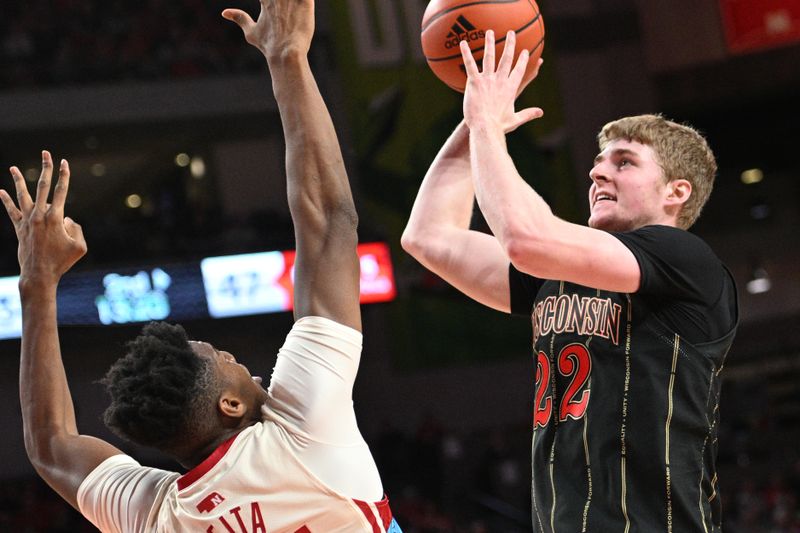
x=462 y=30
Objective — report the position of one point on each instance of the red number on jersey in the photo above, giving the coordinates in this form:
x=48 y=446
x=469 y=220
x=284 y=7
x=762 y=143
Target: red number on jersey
x=542 y=410
x=574 y=359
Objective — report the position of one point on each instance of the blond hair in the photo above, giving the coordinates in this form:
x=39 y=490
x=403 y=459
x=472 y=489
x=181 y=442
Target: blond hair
x=681 y=151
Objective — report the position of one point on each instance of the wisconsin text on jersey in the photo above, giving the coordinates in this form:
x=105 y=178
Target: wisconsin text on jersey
x=574 y=314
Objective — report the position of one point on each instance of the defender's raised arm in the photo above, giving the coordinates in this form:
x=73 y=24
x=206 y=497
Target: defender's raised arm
x=49 y=244
x=325 y=220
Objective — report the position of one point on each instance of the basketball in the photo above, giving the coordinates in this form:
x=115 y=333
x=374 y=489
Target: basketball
x=448 y=22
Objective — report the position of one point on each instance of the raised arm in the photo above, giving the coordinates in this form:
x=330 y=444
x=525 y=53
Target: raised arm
x=536 y=241
x=438 y=235
x=325 y=221
x=49 y=244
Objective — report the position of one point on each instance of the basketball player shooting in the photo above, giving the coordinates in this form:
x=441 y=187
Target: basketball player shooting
x=632 y=316
x=287 y=460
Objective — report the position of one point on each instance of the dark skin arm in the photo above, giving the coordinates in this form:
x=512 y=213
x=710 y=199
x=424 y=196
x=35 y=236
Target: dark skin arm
x=326 y=271
x=327 y=267
x=49 y=244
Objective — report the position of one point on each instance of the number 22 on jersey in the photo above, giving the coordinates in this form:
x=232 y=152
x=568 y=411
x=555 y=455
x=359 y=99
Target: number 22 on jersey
x=573 y=361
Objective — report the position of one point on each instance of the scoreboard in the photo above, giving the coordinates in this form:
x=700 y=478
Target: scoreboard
x=215 y=287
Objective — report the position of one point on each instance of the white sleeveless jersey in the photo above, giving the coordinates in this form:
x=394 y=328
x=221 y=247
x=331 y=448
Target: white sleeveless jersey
x=305 y=469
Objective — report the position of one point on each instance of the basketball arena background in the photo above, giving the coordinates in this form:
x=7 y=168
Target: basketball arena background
x=175 y=144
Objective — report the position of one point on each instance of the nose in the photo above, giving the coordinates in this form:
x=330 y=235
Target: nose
x=597 y=174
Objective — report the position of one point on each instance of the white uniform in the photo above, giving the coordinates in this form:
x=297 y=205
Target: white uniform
x=305 y=469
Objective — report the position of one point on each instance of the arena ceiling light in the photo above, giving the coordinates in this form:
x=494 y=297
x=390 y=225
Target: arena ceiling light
x=182 y=159
x=751 y=176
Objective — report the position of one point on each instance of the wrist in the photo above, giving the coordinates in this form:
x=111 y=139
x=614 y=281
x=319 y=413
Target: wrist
x=285 y=58
x=486 y=128
x=34 y=286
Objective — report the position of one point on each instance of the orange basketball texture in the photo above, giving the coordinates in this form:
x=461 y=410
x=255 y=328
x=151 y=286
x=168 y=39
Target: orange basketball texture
x=447 y=22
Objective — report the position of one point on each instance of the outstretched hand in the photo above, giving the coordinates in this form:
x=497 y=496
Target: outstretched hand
x=489 y=95
x=49 y=243
x=283 y=27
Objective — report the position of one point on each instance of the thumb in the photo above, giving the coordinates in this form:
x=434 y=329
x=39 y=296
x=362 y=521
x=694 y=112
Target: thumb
x=73 y=229
x=525 y=115
x=242 y=19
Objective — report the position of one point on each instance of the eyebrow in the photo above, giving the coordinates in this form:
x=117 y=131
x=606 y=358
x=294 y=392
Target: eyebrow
x=619 y=152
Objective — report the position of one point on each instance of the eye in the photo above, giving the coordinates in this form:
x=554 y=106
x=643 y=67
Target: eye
x=623 y=163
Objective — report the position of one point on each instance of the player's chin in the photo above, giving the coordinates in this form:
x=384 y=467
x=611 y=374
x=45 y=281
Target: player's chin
x=597 y=221
x=605 y=222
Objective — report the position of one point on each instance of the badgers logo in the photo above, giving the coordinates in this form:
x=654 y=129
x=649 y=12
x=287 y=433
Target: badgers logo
x=462 y=30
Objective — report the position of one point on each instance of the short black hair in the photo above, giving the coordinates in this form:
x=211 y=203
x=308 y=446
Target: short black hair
x=158 y=388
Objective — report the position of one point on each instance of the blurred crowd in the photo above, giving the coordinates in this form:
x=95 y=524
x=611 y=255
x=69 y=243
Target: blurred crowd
x=769 y=506
x=443 y=481
x=759 y=462
x=49 y=42
x=179 y=225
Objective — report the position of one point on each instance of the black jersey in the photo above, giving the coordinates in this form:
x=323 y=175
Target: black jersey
x=627 y=391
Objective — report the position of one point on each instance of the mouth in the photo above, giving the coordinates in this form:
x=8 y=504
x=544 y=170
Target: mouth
x=603 y=197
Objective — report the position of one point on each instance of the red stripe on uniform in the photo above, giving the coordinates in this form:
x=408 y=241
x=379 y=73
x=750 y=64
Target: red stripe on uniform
x=208 y=463
x=303 y=529
x=365 y=508
x=385 y=512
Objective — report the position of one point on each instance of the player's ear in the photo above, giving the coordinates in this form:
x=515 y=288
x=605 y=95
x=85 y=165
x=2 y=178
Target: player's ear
x=678 y=192
x=231 y=405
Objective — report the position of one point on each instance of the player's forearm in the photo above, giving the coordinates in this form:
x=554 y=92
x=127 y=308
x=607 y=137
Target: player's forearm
x=313 y=156
x=516 y=214
x=445 y=199
x=47 y=409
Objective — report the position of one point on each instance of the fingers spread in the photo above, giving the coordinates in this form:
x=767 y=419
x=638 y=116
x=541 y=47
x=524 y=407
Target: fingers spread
x=507 y=59
x=488 y=53
x=469 y=61
x=60 y=192
x=23 y=197
x=519 y=69
x=43 y=188
x=13 y=213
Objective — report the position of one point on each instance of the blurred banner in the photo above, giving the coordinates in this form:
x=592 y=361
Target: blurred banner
x=757 y=24
x=216 y=287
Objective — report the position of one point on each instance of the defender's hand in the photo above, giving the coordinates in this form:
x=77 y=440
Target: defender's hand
x=489 y=95
x=49 y=243
x=284 y=27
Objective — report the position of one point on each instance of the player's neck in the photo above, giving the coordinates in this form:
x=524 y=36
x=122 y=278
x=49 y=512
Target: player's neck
x=192 y=456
